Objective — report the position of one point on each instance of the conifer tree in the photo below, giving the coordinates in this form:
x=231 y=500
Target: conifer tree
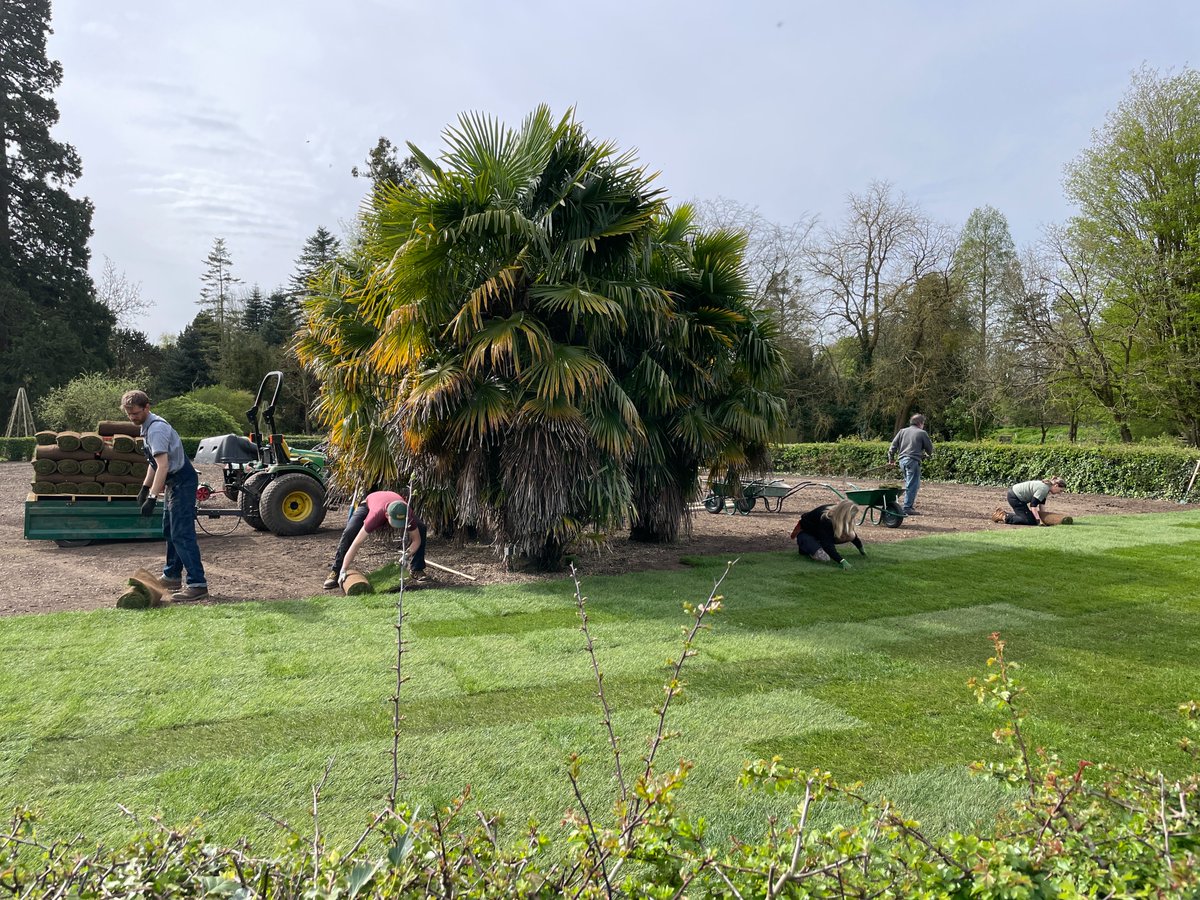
x=51 y=325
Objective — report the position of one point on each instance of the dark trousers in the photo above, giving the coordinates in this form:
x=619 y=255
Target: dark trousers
x=354 y=525
x=418 y=558
x=1020 y=514
x=179 y=527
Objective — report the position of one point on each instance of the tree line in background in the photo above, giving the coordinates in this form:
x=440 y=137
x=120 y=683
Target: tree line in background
x=880 y=312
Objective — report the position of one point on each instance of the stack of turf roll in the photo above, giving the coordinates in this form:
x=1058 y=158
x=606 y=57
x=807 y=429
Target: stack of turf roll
x=105 y=462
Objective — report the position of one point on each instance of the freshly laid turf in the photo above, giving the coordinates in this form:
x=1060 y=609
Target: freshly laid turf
x=231 y=712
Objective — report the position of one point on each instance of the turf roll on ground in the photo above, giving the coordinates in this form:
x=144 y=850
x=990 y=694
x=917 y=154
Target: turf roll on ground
x=356 y=583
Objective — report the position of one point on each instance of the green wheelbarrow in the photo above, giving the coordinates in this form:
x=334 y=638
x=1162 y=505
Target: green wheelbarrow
x=880 y=505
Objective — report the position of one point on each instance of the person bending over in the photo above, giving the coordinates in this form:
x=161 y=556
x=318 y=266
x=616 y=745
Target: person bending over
x=1028 y=498
x=379 y=510
x=820 y=530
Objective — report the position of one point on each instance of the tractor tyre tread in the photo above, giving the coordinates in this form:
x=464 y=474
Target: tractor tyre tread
x=274 y=497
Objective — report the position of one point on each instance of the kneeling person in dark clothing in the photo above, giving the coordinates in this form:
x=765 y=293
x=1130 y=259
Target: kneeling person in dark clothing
x=820 y=530
x=1028 y=498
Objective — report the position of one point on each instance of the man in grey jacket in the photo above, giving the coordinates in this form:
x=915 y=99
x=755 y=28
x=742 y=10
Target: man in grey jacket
x=910 y=446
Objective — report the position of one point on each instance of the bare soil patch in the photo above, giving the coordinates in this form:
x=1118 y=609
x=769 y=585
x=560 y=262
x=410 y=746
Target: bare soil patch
x=243 y=564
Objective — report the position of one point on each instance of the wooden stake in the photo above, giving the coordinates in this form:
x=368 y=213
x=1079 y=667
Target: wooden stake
x=430 y=562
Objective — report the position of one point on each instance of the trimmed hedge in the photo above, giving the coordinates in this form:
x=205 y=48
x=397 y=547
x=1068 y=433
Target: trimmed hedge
x=1120 y=470
x=18 y=449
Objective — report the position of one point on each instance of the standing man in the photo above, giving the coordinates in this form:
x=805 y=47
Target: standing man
x=171 y=474
x=911 y=445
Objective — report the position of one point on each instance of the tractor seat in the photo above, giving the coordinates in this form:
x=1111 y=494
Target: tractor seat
x=228 y=449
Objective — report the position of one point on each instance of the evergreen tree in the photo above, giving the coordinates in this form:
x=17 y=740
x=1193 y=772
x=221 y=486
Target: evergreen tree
x=192 y=362
x=280 y=324
x=51 y=326
x=216 y=295
x=319 y=252
x=255 y=312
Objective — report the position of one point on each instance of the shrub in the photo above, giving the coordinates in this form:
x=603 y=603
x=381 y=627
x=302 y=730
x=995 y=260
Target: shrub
x=86 y=400
x=233 y=400
x=18 y=449
x=196 y=419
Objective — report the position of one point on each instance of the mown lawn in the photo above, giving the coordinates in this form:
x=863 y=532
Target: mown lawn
x=231 y=712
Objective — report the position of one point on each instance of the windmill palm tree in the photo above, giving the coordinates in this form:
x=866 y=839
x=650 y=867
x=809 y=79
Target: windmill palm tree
x=545 y=347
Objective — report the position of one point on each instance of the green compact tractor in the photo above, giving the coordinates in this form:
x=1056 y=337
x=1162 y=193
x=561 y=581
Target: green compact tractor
x=277 y=489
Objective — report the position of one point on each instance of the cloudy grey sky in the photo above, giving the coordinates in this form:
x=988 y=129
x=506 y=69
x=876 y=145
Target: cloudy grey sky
x=242 y=118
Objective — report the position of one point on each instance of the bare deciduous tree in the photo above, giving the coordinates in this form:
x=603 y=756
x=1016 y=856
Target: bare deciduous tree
x=122 y=297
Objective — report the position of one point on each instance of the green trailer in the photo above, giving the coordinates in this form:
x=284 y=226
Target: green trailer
x=75 y=520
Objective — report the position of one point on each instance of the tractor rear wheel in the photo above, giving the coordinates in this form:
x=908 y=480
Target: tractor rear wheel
x=293 y=504
x=250 y=499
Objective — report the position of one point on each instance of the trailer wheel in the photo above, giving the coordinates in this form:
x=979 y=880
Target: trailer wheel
x=293 y=504
x=250 y=499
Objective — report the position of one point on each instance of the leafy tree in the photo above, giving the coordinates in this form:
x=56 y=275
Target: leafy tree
x=924 y=353
x=1138 y=193
x=87 y=399
x=51 y=326
x=862 y=269
x=528 y=333
x=1070 y=327
x=988 y=273
x=384 y=166
x=132 y=352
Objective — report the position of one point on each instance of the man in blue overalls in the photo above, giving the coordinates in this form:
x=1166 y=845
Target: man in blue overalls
x=170 y=473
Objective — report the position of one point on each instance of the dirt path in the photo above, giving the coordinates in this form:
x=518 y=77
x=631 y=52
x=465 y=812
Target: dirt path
x=39 y=576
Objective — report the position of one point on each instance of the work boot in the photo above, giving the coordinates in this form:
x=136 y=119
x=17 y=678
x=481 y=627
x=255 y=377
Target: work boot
x=998 y=515
x=170 y=584
x=191 y=592
x=331 y=580
x=420 y=576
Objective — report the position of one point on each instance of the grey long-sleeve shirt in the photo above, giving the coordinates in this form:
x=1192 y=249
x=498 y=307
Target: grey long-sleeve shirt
x=911 y=442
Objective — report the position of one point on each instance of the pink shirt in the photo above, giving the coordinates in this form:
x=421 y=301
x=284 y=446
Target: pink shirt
x=377 y=504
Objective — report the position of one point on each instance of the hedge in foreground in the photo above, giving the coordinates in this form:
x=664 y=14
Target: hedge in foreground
x=1120 y=470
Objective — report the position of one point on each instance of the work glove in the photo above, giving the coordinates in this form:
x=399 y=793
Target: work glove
x=148 y=505
x=845 y=564
x=143 y=494
x=403 y=561
x=342 y=578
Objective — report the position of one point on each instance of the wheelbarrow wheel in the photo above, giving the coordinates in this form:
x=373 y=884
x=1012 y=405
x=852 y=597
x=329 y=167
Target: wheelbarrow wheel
x=713 y=503
x=891 y=518
x=744 y=505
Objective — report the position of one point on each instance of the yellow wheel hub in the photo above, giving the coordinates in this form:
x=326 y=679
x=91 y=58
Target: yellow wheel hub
x=297 y=506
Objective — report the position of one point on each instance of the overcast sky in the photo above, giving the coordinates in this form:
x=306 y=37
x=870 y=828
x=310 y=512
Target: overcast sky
x=242 y=118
